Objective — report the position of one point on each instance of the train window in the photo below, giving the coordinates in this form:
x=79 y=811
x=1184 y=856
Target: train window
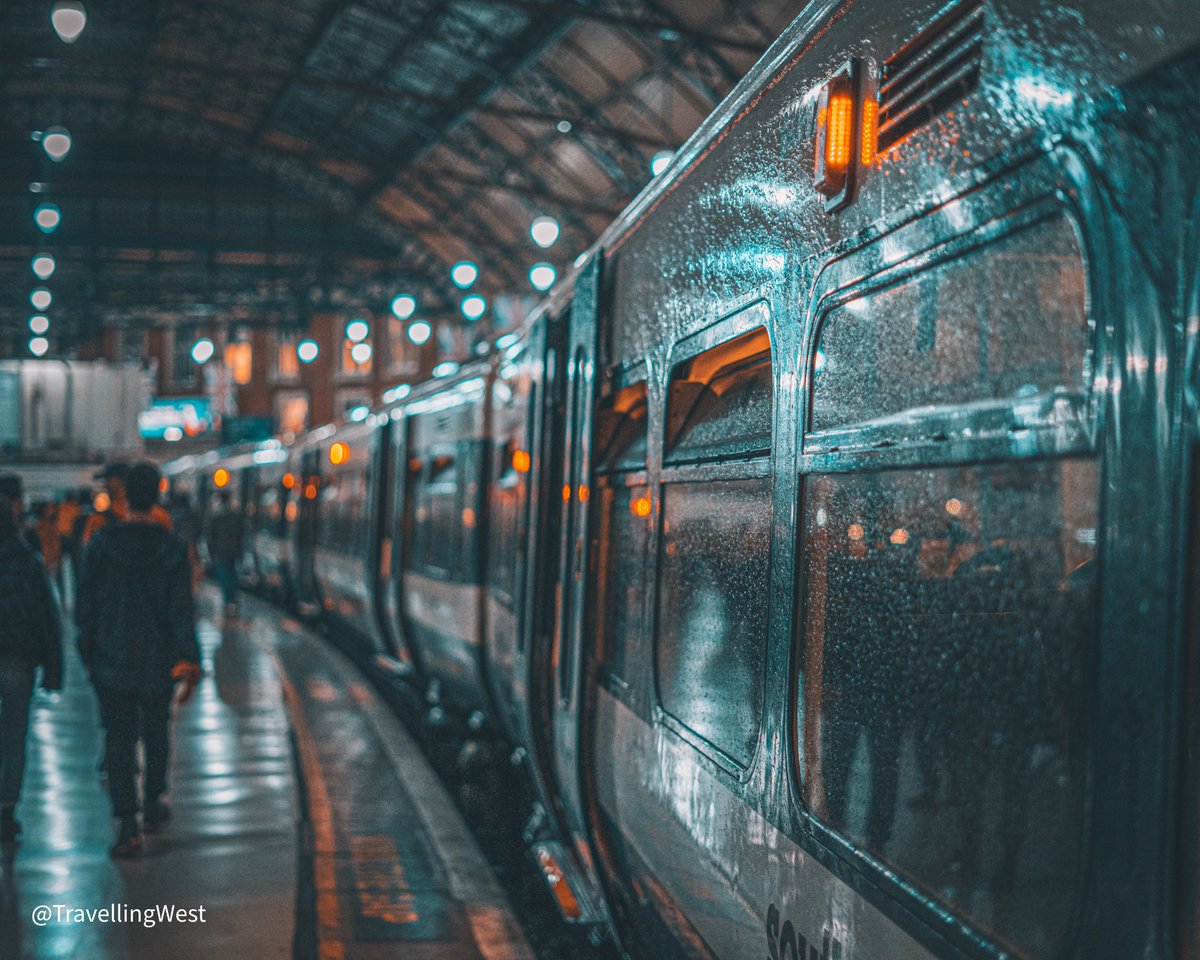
x=713 y=597
x=719 y=403
x=945 y=681
x=436 y=522
x=621 y=430
x=506 y=538
x=1006 y=320
x=626 y=517
x=625 y=521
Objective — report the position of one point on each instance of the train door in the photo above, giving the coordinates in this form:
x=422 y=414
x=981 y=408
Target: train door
x=571 y=648
x=398 y=540
x=379 y=538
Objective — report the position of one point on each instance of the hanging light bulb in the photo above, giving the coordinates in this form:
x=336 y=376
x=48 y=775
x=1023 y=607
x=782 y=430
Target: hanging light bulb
x=542 y=276
x=307 y=350
x=47 y=216
x=464 y=273
x=203 y=350
x=404 y=306
x=43 y=266
x=419 y=331
x=544 y=231
x=473 y=306
x=68 y=17
x=56 y=141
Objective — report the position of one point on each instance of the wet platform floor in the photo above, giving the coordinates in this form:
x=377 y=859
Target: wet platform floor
x=306 y=823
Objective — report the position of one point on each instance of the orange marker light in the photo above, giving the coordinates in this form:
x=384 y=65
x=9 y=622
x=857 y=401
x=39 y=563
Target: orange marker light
x=289 y=481
x=310 y=491
x=221 y=477
x=584 y=493
x=870 y=130
x=339 y=453
x=566 y=492
x=837 y=133
x=521 y=461
x=855 y=531
x=641 y=506
x=899 y=536
x=164 y=485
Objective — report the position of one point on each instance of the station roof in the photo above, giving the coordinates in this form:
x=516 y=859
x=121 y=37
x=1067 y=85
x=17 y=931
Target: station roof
x=261 y=160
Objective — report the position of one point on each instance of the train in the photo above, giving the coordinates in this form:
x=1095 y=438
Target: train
x=826 y=544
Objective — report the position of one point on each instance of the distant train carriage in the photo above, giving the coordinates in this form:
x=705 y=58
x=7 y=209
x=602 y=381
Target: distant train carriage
x=827 y=544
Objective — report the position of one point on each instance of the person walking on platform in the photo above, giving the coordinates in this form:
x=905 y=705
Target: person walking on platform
x=137 y=638
x=30 y=636
x=226 y=540
x=114 y=476
x=12 y=487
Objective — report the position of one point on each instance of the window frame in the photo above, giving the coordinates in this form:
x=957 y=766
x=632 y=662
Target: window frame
x=608 y=479
x=745 y=319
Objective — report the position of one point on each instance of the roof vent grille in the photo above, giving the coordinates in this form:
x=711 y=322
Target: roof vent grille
x=931 y=72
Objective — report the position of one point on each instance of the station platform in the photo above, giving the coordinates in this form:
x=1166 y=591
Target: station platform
x=306 y=823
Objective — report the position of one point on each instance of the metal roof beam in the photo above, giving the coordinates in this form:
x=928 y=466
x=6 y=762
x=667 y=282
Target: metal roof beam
x=627 y=17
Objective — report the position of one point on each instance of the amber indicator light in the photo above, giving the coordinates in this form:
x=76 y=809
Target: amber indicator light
x=221 y=477
x=870 y=130
x=846 y=134
x=339 y=453
x=838 y=126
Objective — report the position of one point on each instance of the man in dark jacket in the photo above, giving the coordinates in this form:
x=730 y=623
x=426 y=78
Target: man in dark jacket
x=29 y=637
x=137 y=637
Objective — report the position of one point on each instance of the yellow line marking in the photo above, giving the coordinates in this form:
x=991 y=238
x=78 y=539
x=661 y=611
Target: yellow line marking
x=330 y=941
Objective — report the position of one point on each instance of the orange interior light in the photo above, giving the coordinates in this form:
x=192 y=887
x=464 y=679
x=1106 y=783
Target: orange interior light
x=289 y=481
x=566 y=492
x=164 y=485
x=339 y=453
x=221 y=477
x=310 y=491
x=584 y=493
x=521 y=461
x=641 y=506
x=837 y=134
x=870 y=130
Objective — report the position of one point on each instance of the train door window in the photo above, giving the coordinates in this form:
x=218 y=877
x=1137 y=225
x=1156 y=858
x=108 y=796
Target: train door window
x=1006 y=320
x=714 y=552
x=720 y=402
x=438 y=513
x=625 y=522
x=505 y=538
x=950 y=588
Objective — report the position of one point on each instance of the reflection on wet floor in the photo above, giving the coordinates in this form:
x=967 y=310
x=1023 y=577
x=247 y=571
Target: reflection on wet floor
x=230 y=846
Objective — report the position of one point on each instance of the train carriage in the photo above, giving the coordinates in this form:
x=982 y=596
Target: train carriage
x=815 y=543
x=862 y=630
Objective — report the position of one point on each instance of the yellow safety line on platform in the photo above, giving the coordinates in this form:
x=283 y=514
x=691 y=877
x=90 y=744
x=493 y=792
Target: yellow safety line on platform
x=330 y=942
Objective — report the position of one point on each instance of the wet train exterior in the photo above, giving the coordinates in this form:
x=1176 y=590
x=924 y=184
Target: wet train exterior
x=827 y=544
